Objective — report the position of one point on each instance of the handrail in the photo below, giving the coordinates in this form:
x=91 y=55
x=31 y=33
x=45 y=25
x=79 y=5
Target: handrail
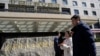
x=7 y=10
x=95 y=30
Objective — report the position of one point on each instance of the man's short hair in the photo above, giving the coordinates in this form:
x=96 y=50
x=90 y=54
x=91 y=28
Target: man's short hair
x=76 y=17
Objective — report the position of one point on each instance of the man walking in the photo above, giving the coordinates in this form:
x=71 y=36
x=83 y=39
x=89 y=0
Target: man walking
x=83 y=40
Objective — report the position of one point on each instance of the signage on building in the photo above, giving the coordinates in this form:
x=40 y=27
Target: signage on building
x=41 y=4
x=21 y=2
x=26 y=3
x=33 y=3
x=53 y=5
x=46 y=4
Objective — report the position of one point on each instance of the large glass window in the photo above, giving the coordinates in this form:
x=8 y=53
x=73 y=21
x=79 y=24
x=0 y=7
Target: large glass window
x=85 y=12
x=84 y=4
x=2 y=7
x=65 y=2
x=54 y=1
x=99 y=5
x=21 y=8
x=94 y=13
x=76 y=11
x=75 y=3
x=41 y=0
x=66 y=11
x=29 y=0
x=47 y=10
x=92 y=5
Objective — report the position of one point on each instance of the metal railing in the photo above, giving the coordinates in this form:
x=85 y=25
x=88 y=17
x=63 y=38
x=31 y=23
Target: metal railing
x=27 y=11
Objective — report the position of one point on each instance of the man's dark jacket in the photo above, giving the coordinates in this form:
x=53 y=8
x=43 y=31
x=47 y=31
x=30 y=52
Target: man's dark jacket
x=56 y=47
x=58 y=51
x=83 y=41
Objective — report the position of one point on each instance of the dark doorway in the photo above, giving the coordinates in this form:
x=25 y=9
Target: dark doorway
x=2 y=6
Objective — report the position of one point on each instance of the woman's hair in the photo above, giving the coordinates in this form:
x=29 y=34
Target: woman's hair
x=62 y=34
x=61 y=37
x=69 y=33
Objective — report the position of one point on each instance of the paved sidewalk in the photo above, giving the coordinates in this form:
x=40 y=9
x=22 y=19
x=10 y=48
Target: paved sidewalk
x=98 y=48
x=97 y=43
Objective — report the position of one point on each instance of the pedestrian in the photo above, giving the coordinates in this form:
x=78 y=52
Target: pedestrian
x=60 y=41
x=82 y=37
x=56 y=46
x=67 y=44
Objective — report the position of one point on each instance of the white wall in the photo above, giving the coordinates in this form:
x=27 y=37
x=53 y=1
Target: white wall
x=88 y=8
x=70 y=5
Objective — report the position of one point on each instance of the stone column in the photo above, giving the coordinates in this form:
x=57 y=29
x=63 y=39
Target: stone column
x=35 y=7
x=99 y=22
x=94 y=33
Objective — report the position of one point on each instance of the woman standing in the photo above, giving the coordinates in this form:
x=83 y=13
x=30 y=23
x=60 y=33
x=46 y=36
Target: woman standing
x=60 y=41
x=67 y=44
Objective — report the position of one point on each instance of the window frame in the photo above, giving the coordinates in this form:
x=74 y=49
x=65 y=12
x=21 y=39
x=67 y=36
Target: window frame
x=54 y=1
x=43 y=1
x=65 y=2
x=94 y=13
x=77 y=12
x=86 y=12
x=84 y=4
x=92 y=5
x=75 y=3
